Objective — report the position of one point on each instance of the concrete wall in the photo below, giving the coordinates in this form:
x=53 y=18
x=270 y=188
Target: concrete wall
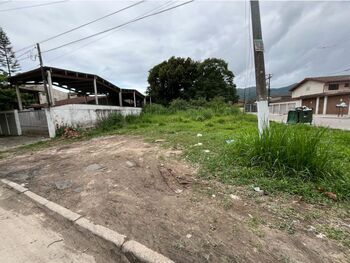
x=308 y=88
x=83 y=115
x=9 y=123
x=34 y=122
x=282 y=108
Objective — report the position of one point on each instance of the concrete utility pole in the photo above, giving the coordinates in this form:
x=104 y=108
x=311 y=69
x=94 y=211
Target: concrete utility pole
x=43 y=75
x=258 y=45
x=268 y=84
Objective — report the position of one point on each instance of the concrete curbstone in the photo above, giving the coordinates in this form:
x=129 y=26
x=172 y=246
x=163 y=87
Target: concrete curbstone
x=136 y=252
x=102 y=232
x=66 y=213
x=36 y=198
x=17 y=187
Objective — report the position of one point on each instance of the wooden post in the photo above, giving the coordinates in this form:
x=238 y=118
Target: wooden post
x=49 y=80
x=19 y=99
x=134 y=99
x=95 y=90
x=150 y=100
x=120 y=98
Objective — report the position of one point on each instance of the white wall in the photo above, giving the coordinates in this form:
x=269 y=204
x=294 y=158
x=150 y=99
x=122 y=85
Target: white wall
x=282 y=108
x=310 y=87
x=83 y=115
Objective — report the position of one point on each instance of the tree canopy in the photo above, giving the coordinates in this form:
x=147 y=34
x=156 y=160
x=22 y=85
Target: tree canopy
x=189 y=79
x=8 y=61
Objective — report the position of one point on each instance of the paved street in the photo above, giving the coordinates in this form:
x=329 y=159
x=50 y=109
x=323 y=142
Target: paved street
x=331 y=121
x=26 y=237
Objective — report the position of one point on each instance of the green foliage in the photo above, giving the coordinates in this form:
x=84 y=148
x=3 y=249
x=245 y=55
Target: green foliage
x=179 y=104
x=8 y=61
x=180 y=78
x=113 y=121
x=155 y=109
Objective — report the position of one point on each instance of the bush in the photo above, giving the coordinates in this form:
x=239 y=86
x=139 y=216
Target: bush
x=179 y=105
x=155 y=109
x=114 y=120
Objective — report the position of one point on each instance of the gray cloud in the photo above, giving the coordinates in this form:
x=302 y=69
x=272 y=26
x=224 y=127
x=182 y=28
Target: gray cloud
x=301 y=38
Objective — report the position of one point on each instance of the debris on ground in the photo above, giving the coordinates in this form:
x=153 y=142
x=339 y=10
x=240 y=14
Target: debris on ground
x=159 y=140
x=331 y=195
x=70 y=132
x=321 y=236
x=198 y=144
x=130 y=164
x=235 y=197
x=199 y=135
x=178 y=191
x=230 y=141
x=206 y=151
x=93 y=167
x=188 y=235
x=259 y=191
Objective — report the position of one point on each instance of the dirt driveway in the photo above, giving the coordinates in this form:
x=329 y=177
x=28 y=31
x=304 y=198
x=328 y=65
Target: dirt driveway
x=143 y=191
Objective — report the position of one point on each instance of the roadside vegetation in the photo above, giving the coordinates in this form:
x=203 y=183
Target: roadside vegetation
x=298 y=159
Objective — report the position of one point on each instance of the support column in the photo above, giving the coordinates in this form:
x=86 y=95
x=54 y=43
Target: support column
x=134 y=99
x=51 y=97
x=19 y=99
x=144 y=102
x=325 y=102
x=120 y=98
x=317 y=105
x=95 y=91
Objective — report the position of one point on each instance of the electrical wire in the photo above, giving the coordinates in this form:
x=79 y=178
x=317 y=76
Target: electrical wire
x=109 y=33
x=85 y=24
x=121 y=25
x=31 y=6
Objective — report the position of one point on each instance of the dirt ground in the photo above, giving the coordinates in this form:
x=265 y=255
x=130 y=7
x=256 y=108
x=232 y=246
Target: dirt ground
x=145 y=192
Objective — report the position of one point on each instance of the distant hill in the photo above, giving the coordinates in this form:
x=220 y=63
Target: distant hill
x=250 y=93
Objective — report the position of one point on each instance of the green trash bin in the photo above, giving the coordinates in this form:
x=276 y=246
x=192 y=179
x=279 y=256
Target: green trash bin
x=300 y=115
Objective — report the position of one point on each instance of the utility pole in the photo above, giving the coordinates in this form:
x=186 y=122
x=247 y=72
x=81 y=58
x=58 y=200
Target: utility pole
x=43 y=75
x=258 y=45
x=268 y=84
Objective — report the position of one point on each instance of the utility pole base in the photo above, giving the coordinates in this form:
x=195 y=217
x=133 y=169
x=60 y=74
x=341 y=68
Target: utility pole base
x=263 y=115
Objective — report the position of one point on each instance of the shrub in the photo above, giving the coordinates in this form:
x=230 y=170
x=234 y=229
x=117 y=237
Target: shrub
x=155 y=109
x=179 y=105
x=114 y=120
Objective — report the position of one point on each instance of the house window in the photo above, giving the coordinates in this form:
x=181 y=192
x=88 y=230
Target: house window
x=333 y=87
x=346 y=85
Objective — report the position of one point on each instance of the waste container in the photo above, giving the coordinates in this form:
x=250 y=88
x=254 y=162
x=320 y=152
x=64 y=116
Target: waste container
x=300 y=115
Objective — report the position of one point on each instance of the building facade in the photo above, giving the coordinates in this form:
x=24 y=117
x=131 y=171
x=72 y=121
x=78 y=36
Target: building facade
x=324 y=95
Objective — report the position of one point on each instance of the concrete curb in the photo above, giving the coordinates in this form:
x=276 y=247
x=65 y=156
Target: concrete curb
x=133 y=250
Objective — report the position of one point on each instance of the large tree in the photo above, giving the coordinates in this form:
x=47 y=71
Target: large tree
x=189 y=79
x=172 y=79
x=8 y=61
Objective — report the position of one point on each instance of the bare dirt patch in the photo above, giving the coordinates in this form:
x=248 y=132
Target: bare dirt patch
x=148 y=194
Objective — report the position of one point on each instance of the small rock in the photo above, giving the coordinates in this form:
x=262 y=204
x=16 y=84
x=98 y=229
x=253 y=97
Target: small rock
x=199 y=135
x=311 y=229
x=188 y=235
x=213 y=196
x=178 y=191
x=235 y=197
x=320 y=235
x=162 y=164
x=62 y=185
x=93 y=167
x=130 y=164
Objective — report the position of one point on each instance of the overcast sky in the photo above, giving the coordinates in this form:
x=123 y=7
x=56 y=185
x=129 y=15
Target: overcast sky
x=302 y=38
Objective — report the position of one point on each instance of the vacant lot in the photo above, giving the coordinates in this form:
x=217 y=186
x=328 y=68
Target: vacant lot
x=144 y=190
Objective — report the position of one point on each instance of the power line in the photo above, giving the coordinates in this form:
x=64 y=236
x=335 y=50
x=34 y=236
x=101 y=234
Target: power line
x=98 y=39
x=31 y=6
x=121 y=25
x=85 y=24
